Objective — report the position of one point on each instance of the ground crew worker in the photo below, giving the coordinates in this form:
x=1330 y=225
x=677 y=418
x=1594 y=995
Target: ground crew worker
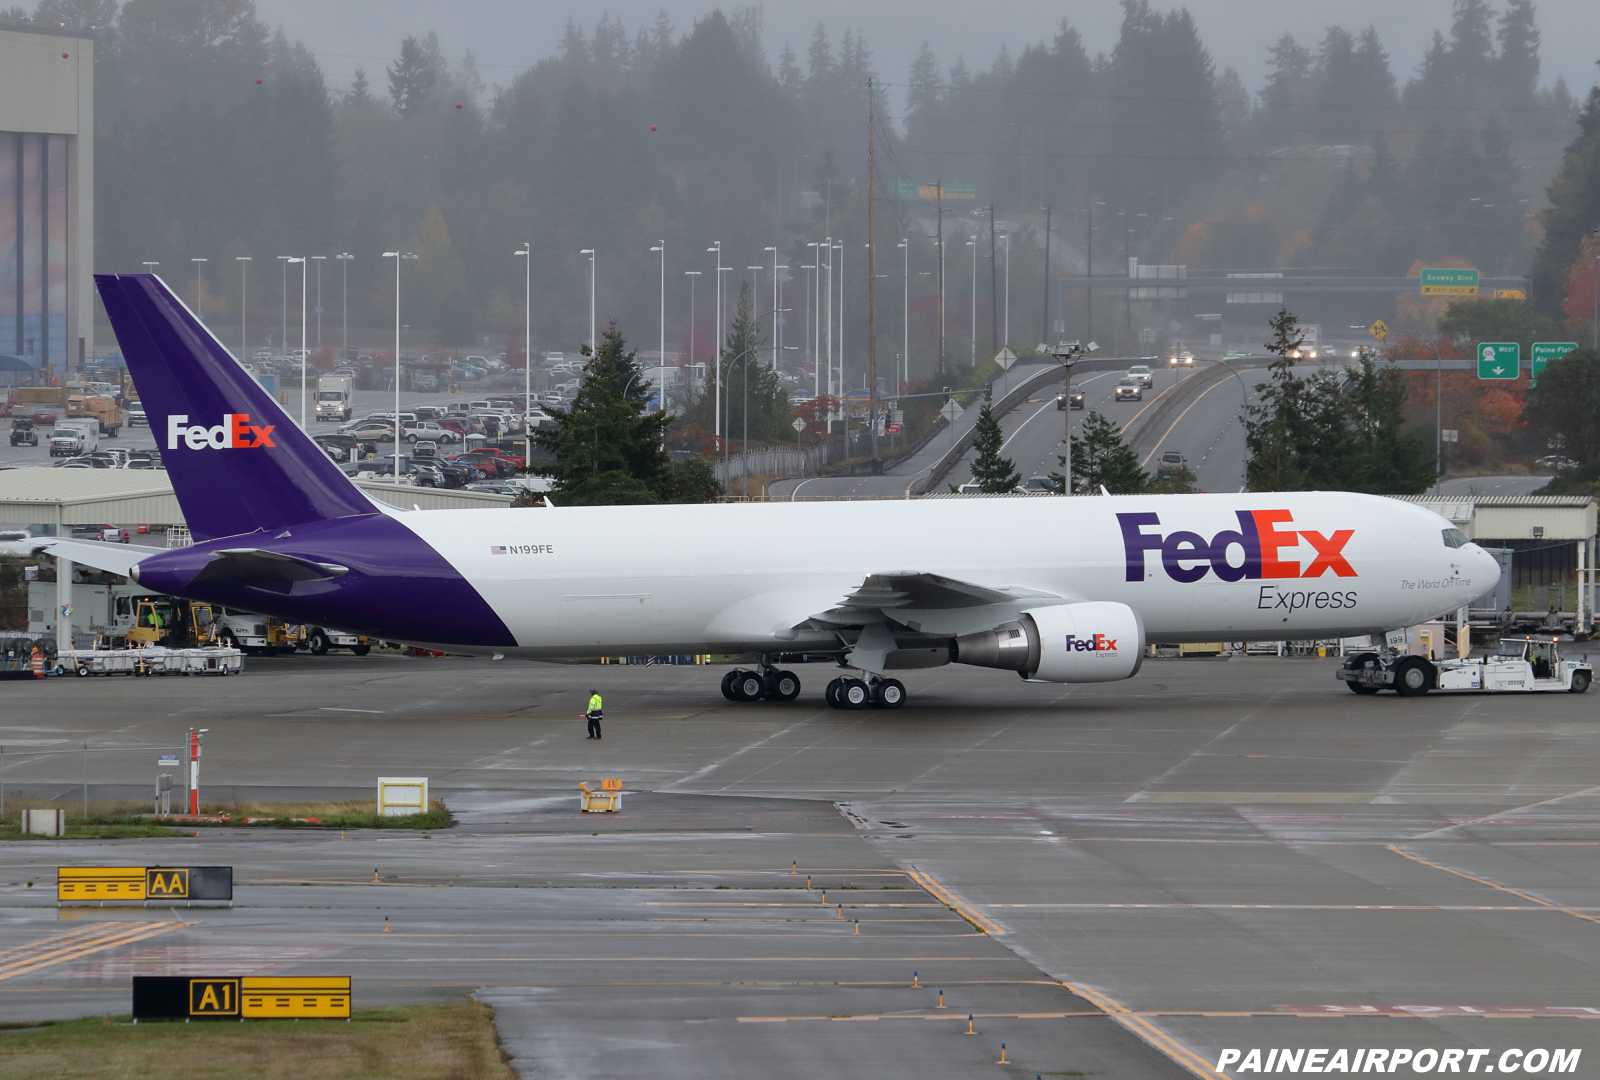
x=593 y=714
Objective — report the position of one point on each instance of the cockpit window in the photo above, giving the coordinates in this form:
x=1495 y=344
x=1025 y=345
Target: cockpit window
x=1454 y=538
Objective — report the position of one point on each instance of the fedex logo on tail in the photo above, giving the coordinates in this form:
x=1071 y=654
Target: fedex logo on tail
x=234 y=433
x=1260 y=539
x=1097 y=643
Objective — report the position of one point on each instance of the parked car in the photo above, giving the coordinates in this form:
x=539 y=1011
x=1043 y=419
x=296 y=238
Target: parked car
x=374 y=431
x=134 y=414
x=427 y=429
x=1129 y=389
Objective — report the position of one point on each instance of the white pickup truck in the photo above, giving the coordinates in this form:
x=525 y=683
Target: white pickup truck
x=1521 y=665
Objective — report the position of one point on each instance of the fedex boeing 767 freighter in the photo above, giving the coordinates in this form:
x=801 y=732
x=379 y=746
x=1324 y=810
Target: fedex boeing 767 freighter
x=1056 y=589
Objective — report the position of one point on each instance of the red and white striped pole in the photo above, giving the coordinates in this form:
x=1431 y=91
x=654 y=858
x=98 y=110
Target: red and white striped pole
x=194 y=772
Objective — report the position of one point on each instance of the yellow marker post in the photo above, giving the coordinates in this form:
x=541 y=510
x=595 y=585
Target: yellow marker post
x=1002 y=1060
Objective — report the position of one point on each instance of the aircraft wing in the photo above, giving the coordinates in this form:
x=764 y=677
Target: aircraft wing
x=934 y=604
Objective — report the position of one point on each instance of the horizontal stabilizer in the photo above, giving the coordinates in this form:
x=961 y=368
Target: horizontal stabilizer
x=112 y=558
x=258 y=566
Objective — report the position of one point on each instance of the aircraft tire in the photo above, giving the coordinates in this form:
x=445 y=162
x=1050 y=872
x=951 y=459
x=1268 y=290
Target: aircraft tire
x=832 y=694
x=749 y=686
x=889 y=694
x=854 y=694
x=1413 y=677
x=783 y=686
x=727 y=684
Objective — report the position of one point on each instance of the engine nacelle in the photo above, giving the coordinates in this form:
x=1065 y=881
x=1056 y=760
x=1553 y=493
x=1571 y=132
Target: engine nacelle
x=1095 y=641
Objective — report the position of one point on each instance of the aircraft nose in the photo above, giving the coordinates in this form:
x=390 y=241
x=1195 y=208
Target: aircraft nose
x=1487 y=570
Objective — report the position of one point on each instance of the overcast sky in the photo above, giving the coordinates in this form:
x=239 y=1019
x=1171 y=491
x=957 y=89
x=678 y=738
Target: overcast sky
x=509 y=35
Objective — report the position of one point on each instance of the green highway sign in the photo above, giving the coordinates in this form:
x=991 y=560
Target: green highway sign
x=1449 y=281
x=1546 y=351
x=1499 y=359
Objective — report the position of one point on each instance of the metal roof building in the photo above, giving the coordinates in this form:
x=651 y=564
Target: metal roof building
x=68 y=497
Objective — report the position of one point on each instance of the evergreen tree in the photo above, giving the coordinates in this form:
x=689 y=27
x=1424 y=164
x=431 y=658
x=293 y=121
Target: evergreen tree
x=1101 y=459
x=1517 y=68
x=414 y=77
x=1376 y=454
x=755 y=407
x=360 y=92
x=1274 y=428
x=1574 y=210
x=1565 y=407
x=994 y=474
x=923 y=89
x=608 y=449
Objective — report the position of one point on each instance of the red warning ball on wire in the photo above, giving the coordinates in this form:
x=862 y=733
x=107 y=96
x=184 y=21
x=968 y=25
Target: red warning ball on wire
x=63 y=56
x=258 y=82
x=652 y=127
x=458 y=104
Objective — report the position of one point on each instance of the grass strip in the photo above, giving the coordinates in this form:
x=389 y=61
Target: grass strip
x=118 y=820
x=410 y=1042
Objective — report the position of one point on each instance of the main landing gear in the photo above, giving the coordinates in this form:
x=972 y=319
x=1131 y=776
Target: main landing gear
x=767 y=684
x=848 y=692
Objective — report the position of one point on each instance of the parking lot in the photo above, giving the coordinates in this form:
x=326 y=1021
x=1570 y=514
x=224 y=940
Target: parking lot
x=1117 y=879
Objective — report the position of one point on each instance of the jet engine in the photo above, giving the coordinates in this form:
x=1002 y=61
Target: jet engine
x=1096 y=641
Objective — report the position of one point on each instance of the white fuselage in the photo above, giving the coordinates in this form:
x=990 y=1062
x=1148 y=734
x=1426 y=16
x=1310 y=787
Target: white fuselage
x=740 y=578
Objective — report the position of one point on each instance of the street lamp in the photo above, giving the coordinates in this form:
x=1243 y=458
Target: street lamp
x=398 y=259
x=527 y=350
x=590 y=252
x=244 y=337
x=200 y=288
x=319 y=260
x=1067 y=354
x=661 y=353
x=303 y=365
x=774 y=306
x=814 y=301
x=972 y=245
x=716 y=342
x=344 y=266
x=905 y=313
x=691 y=275
x=283 y=341
x=150 y=264
x=1007 y=338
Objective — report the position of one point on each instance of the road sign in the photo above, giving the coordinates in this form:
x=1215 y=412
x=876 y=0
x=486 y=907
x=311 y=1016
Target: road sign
x=1499 y=359
x=1379 y=329
x=1546 y=351
x=167 y=759
x=799 y=424
x=248 y=997
x=893 y=429
x=1449 y=281
x=1005 y=358
x=1510 y=294
x=950 y=411
x=1450 y=435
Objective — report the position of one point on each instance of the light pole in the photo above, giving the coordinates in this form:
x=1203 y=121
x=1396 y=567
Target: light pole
x=283 y=340
x=1244 y=462
x=527 y=350
x=813 y=326
x=398 y=259
x=301 y=260
x=344 y=268
x=828 y=315
x=905 y=314
x=244 y=336
x=691 y=275
x=319 y=260
x=973 y=246
x=1068 y=354
x=200 y=288
x=590 y=252
x=150 y=263
x=661 y=353
x=1006 y=340
x=716 y=346
x=774 y=306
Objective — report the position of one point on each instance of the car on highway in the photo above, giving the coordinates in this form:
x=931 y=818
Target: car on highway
x=1129 y=389
x=1557 y=462
x=1076 y=401
x=1171 y=461
x=1178 y=360
x=1141 y=372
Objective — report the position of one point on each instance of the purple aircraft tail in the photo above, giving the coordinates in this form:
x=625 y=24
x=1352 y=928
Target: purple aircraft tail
x=238 y=463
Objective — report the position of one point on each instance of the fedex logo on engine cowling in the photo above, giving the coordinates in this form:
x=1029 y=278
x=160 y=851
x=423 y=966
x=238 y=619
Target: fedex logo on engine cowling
x=234 y=433
x=1096 y=643
x=1261 y=538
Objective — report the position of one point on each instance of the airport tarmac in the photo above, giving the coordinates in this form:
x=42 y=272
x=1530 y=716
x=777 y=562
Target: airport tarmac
x=1114 y=880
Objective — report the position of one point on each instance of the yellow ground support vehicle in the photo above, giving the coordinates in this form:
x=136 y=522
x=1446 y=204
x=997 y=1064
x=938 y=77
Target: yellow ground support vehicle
x=169 y=621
